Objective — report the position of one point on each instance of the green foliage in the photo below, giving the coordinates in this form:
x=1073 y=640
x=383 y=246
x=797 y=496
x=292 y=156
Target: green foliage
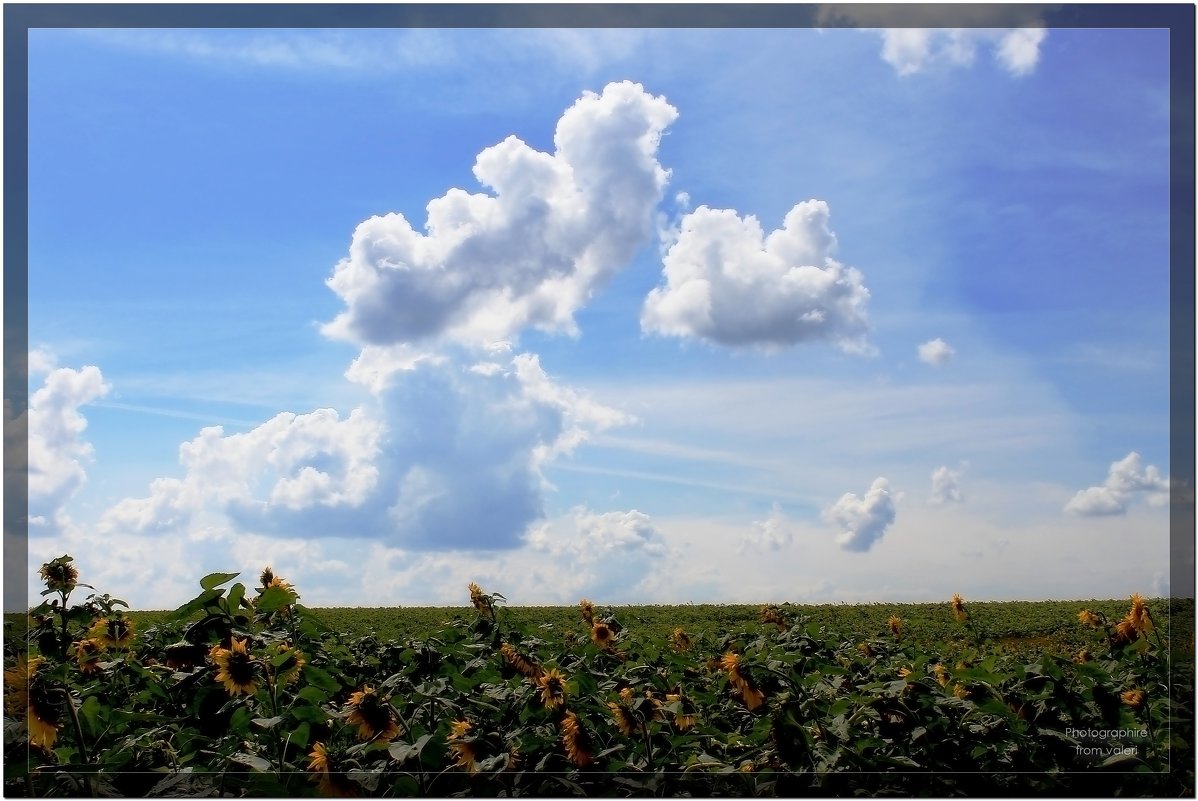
x=246 y=692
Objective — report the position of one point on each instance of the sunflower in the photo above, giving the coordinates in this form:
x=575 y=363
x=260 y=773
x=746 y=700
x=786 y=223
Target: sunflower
x=1125 y=630
x=680 y=641
x=904 y=672
x=753 y=696
x=286 y=662
x=477 y=598
x=576 y=741
x=328 y=782
x=625 y=722
x=684 y=721
x=372 y=715
x=588 y=611
x=602 y=635
x=524 y=666
x=25 y=693
x=1133 y=698
x=1088 y=618
x=865 y=650
x=941 y=674
x=960 y=691
x=267 y=576
x=958 y=606
x=87 y=654
x=114 y=632
x=236 y=668
x=59 y=574
x=463 y=745
x=896 y=625
x=1139 y=615
x=553 y=688
x=626 y=695
x=1082 y=657
x=770 y=614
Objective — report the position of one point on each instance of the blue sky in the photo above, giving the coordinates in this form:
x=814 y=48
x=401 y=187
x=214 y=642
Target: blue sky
x=637 y=315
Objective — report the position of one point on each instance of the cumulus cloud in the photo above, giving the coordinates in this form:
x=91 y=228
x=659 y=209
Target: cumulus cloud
x=862 y=521
x=598 y=553
x=57 y=450
x=728 y=283
x=946 y=486
x=912 y=50
x=772 y=534
x=556 y=228
x=936 y=352
x=1125 y=480
x=448 y=457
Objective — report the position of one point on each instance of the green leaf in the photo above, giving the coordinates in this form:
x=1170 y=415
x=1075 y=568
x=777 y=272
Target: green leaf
x=318 y=678
x=214 y=580
x=267 y=723
x=274 y=598
x=194 y=605
x=299 y=737
x=307 y=713
x=251 y=761
x=236 y=593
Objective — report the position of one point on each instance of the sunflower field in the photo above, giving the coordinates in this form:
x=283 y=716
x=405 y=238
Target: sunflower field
x=243 y=691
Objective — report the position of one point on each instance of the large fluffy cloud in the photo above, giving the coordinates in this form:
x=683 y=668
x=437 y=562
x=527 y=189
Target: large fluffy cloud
x=556 y=227
x=729 y=283
x=57 y=450
x=1125 y=479
x=862 y=521
x=449 y=457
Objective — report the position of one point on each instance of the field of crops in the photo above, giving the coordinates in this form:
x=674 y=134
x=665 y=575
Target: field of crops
x=245 y=692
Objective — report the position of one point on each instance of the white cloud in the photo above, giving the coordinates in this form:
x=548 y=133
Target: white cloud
x=772 y=534
x=728 y=283
x=912 y=50
x=936 y=352
x=448 y=457
x=56 y=447
x=557 y=227
x=946 y=486
x=1124 y=480
x=862 y=521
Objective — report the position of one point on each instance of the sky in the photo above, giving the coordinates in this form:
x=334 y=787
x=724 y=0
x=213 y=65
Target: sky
x=637 y=315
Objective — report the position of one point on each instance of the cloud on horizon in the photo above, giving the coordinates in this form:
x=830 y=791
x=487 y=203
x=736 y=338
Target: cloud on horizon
x=1124 y=481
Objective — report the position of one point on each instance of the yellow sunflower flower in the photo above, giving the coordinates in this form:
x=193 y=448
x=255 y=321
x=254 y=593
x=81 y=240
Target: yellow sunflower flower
x=941 y=674
x=896 y=625
x=1088 y=618
x=1126 y=631
x=751 y=694
x=624 y=719
x=59 y=574
x=1139 y=615
x=236 y=668
x=463 y=745
x=1133 y=698
x=25 y=693
x=328 y=783
x=958 y=607
x=373 y=716
x=87 y=656
x=286 y=662
x=553 y=688
x=683 y=721
x=588 y=611
x=576 y=741
x=524 y=666
x=602 y=635
x=771 y=614
x=680 y=641
x=114 y=632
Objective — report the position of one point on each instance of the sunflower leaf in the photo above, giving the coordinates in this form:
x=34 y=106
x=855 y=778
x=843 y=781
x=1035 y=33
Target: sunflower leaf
x=214 y=580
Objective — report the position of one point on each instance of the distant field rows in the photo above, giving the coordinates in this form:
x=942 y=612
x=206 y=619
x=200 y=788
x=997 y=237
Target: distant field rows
x=1017 y=625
